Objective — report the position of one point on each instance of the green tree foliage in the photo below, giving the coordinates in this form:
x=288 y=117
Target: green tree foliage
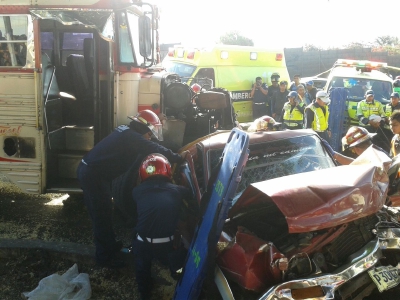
x=235 y=38
x=310 y=47
x=387 y=40
x=357 y=45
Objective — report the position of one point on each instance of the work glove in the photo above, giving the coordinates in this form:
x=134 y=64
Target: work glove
x=328 y=147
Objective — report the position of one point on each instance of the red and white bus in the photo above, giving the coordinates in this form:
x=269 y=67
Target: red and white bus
x=69 y=73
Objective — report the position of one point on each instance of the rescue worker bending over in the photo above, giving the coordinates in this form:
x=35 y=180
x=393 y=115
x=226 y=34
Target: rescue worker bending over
x=371 y=115
x=110 y=158
x=293 y=112
x=317 y=115
x=357 y=139
x=159 y=203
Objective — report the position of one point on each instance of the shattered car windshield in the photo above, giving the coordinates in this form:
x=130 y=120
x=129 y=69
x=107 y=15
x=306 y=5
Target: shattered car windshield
x=280 y=158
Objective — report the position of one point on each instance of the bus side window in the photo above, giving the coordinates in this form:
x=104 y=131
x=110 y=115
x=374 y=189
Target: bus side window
x=13 y=40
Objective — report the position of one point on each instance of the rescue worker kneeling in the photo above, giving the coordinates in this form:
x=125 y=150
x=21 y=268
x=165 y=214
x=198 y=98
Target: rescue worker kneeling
x=159 y=205
x=293 y=112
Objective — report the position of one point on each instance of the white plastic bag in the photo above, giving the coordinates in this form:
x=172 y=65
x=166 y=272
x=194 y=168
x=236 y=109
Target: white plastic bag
x=69 y=286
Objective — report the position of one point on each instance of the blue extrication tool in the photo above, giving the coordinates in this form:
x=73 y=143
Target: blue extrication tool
x=338 y=117
x=201 y=254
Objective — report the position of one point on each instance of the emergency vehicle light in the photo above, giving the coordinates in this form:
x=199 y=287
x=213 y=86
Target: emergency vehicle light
x=253 y=55
x=361 y=63
x=190 y=55
x=224 y=54
x=171 y=52
x=279 y=57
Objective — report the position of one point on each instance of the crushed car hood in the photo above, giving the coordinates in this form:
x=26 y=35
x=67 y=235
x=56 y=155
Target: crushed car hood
x=324 y=198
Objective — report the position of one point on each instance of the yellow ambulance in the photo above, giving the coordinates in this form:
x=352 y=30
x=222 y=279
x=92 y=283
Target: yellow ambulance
x=234 y=68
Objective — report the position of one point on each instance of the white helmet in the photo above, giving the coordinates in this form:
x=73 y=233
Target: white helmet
x=324 y=97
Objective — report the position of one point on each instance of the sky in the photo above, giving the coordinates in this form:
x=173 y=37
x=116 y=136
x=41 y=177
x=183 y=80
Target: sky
x=277 y=24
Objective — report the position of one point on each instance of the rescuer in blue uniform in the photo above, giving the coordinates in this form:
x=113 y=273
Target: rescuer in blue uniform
x=110 y=158
x=159 y=205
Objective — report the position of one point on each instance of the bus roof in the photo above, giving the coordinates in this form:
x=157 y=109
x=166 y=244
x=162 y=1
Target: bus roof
x=15 y=6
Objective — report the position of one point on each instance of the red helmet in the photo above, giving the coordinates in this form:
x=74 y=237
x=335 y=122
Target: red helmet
x=196 y=88
x=155 y=164
x=151 y=120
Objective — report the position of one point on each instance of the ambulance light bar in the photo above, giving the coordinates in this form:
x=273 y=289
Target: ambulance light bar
x=361 y=64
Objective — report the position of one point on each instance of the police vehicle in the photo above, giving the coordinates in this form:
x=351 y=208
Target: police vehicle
x=358 y=76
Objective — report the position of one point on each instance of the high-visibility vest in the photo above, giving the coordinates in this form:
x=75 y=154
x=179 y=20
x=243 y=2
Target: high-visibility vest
x=294 y=117
x=388 y=110
x=320 y=122
x=369 y=109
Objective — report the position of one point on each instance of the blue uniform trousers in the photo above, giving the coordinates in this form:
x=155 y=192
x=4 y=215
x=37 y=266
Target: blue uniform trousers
x=97 y=197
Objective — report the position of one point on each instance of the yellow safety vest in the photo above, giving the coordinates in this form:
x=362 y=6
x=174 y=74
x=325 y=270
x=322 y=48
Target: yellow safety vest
x=293 y=118
x=388 y=110
x=368 y=109
x=320 y=122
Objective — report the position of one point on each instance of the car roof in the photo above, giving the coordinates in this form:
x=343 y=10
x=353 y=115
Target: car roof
x=352 y=72
x=218 y=140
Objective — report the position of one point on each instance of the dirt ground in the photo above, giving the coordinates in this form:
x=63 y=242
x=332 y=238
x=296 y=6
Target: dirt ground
x=33 y=228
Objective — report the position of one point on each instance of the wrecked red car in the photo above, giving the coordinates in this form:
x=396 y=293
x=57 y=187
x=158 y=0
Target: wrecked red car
x=300 y=227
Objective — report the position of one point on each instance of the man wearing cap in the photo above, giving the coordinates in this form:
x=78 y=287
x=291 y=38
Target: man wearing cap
x=317 y=115
x=369 y=107
x=390 y=108
x=311 y=90
x=274 y=87
x=371 y=115
x=293 y=112
x=278 y=100
x=259 y=94
x=357 y=139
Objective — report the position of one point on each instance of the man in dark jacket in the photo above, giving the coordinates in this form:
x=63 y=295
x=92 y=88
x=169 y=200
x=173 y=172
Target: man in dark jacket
x=278 y=101
x=110 y=158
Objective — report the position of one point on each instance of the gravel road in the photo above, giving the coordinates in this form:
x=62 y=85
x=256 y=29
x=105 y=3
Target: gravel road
x=46 y=234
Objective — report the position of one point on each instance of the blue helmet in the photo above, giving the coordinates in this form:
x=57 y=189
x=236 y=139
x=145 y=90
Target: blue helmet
x=292 y=94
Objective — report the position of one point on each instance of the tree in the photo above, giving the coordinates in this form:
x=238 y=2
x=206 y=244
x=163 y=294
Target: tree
x=387 y=40
x=310 y=47
x=357 y=45
x=235 y=38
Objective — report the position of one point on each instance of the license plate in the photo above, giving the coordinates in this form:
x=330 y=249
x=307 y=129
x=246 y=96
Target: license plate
x=385 y=277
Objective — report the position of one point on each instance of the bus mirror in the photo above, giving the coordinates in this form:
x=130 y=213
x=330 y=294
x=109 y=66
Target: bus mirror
x=144 y=36
x=66 y=96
